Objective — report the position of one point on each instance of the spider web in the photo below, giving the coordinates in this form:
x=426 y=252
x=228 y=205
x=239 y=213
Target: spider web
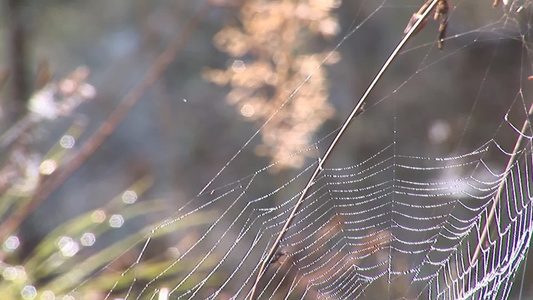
x=396 y=223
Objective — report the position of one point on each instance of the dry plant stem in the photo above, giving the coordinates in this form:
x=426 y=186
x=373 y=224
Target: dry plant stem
x=441 y=14
x=15 y=105
x=108 y=127
x=323 y=159
x=497 y=196
x=18 y=128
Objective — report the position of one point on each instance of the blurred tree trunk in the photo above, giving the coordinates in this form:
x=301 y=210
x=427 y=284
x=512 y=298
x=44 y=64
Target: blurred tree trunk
x=15 y=103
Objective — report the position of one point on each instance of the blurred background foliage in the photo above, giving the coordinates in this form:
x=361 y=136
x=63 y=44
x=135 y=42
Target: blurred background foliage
x=120 y=111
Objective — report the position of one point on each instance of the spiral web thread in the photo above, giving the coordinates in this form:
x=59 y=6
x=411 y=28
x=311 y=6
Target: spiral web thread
x=392 y=226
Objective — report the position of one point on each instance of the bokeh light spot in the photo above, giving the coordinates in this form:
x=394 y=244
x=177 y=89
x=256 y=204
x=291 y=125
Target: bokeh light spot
x=48 y=167
x=238 y=66
x=247 y=110
x=67 y=141
x=116 y=221
x=48 y=295
x=29 y=292
x=88 y=239
x=68 y=246
x=98 y=216
x=11 y=243
x=129 y=197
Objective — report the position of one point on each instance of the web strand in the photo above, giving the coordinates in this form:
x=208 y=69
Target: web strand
x=440 y=208
x=345 y=125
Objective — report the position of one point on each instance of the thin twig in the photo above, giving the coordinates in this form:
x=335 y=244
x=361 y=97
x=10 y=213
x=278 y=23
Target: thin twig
x=498 y=195
x=326 y=155
x=108 y=127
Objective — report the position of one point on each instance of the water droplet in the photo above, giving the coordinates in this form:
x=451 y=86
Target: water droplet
x=163 y=294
